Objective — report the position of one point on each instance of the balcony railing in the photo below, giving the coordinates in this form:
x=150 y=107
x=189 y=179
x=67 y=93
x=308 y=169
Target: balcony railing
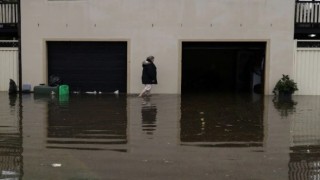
x=9 y=15
x=307 y=13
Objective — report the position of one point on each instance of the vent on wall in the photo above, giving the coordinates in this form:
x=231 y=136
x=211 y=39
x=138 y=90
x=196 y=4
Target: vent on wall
x=9 y=43
x=308 y=44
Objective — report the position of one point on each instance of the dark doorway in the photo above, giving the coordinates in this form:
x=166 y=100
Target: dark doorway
x=89 y=66
x=223 y=67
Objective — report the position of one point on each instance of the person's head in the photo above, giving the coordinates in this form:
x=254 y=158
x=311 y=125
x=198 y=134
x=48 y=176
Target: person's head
x=150 y=58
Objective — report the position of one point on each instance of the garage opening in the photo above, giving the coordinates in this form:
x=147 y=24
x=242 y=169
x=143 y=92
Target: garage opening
x=89 y=66
x=236 y=67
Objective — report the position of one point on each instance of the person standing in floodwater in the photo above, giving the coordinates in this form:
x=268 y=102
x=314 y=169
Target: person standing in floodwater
x=149 y=76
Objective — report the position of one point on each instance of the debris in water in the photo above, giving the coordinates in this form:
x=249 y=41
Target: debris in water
x=167 y=161
x=91 y=92
x=8 y=173
x=56 y=165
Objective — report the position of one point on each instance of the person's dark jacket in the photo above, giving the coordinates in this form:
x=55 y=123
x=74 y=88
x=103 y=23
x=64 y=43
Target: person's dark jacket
x=149 y=73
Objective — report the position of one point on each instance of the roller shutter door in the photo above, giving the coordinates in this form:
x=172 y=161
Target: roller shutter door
x=89 y=66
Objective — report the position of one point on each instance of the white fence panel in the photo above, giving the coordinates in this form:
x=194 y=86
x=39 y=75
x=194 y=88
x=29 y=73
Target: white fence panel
x=307 y=70
x=8 y=67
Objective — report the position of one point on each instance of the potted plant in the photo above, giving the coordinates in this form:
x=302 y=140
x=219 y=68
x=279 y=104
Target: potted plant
x=285 y=87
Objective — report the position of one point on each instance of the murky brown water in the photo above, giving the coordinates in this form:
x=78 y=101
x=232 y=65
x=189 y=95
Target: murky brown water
x=219 y=136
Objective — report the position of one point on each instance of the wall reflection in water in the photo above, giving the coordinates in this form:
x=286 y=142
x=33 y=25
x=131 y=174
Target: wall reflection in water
x=221 y=121
x=11 y=159
x=305 y=142
x=304 y=162
x=56 y=129
x=149 y=116
x=88 y=122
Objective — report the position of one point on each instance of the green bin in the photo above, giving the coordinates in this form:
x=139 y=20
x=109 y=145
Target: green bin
x=63 y=89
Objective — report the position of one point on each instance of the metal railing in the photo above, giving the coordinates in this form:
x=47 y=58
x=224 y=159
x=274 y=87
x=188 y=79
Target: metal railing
x=307 y=12
x=9 y=13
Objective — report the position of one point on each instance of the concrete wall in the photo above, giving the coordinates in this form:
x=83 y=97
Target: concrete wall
x=157 y=28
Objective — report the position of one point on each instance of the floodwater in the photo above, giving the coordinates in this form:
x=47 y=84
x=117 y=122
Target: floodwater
x=119 y=137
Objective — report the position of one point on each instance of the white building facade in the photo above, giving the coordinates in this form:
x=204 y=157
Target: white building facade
x=158 y=28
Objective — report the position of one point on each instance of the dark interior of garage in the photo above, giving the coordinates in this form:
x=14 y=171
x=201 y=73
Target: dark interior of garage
x=89 y=66
x=236 y=67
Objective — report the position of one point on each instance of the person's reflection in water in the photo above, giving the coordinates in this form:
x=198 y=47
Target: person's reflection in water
x=12 y=99
x=149 y=113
